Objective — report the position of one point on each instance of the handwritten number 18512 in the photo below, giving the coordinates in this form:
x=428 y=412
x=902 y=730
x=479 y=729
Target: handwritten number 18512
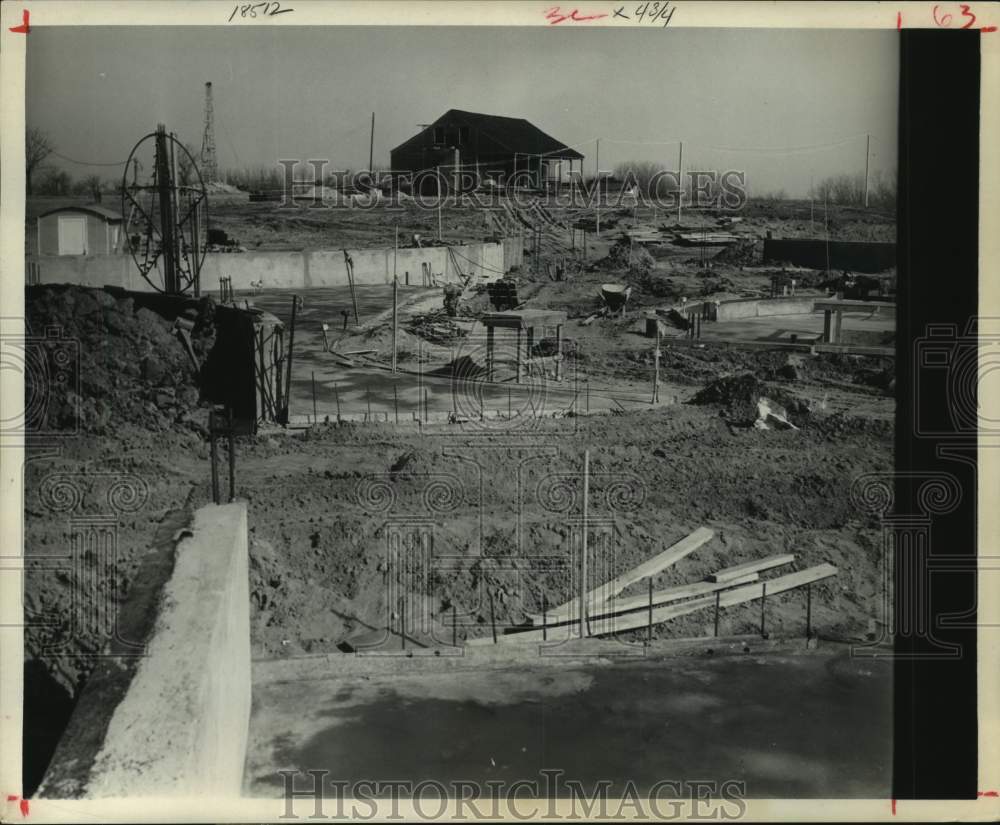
x=253 y=10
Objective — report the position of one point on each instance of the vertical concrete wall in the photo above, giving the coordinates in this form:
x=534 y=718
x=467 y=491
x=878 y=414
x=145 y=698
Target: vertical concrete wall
x=180 y=728
x=299 y=270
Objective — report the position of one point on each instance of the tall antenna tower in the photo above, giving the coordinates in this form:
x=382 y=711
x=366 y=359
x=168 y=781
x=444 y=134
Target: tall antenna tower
x=209 y=164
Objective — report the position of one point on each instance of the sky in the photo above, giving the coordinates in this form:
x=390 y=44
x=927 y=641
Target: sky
x=788 y=107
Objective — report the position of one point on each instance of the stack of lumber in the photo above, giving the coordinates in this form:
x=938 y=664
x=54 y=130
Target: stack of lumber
x=608 y=612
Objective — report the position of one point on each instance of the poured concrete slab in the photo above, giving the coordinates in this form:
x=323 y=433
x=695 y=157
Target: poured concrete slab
x=813 y=724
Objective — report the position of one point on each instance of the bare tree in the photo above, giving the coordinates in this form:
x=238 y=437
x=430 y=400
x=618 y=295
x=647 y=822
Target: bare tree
x=186 y=165
x=37 y=148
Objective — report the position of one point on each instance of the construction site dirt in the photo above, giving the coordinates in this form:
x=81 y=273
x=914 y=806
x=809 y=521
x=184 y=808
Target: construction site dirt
x=491 y=470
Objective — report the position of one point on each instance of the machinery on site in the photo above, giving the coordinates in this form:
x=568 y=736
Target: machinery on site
x=166 y=213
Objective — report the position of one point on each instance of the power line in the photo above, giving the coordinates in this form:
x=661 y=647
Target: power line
x=87 y=162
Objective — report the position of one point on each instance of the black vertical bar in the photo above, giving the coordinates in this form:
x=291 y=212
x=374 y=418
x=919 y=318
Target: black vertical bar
x=545 y=618
x=936 y=752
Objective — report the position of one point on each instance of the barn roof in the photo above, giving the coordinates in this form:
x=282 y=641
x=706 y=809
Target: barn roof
x=92 y=208
x=515 y=133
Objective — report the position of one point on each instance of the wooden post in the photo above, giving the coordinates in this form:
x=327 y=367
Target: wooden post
x=809 y=604
x=395 y=400
x=718 y=594
x=545 y=617
x=838 y=320
x=490 y=343
x=454 y=626
x=395 y=317
x=827 y=327
x=649 y=626
x=559 y=356
x=336 y=394
x=517 y=355
x=213 y=441
x=583 y=545
x=368 y=401
x=763 y=604
x=588 y=395
x=315 y=417
x=656 y=365
x=493 y=616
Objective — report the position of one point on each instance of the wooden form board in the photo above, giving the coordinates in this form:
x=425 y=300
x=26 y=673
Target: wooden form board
x=738 y=570
x=639 y=619
x=650 y=567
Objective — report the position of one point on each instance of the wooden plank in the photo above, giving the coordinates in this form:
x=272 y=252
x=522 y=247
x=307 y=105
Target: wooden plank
x=650 y=567
x=639 y=619
x=738 y=570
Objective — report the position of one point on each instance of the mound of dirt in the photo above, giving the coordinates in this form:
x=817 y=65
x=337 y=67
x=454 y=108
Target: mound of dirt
x=743 y=253
x=740 y=398
x=100 y=361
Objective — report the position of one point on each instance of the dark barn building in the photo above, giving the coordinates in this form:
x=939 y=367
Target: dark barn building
x=491 y=145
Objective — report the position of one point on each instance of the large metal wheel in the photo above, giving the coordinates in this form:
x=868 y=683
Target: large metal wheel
x=165 y=207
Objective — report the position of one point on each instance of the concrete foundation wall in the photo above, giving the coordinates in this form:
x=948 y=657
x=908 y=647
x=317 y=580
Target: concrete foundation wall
x=760 y=307
x=300 y=270
x=180 y=727
x=857 y=256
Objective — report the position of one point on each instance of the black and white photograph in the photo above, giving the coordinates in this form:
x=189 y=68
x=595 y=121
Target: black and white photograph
x=557 y=416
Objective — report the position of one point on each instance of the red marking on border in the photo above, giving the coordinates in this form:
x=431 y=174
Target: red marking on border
x=12 y=797
x=899 y=20
x=24 y=806
x=24 y=28
x=894 y=806
x=988 y=793
x=988 y=29
x=555 y=15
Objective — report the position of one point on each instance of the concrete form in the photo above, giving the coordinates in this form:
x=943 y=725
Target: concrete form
x=527 y=320
x=180 y=726
x=302 y=270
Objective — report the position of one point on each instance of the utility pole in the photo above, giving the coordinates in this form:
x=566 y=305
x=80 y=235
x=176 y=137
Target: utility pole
x=440 y=196
x=371 y=145
x=680 y=180
x=868 y=145
x=395 y=317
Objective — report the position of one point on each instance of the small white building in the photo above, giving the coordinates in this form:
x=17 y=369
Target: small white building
x=79 y=230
